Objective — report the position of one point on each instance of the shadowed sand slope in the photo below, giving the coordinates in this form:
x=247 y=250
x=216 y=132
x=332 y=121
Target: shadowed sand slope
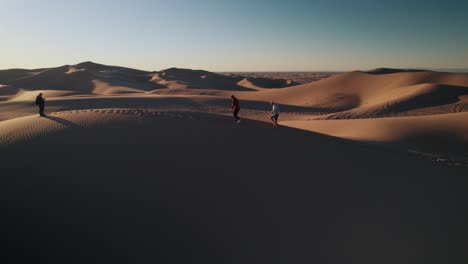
x=125 y=186
x=7 y=76
x=175 y=78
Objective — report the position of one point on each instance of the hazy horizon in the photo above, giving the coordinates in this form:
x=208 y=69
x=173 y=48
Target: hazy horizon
x=462 y=70
x=241 y=36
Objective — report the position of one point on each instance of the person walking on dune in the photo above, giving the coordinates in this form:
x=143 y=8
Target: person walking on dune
x=274 y=114
x=235 y=108
x=40 y=101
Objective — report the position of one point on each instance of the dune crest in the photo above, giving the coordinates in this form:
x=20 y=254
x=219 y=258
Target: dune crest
x=380 y=93
x=31 y=95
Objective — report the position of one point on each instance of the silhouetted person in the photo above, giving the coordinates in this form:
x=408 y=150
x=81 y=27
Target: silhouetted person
x=274 y=114
x=40 y=101
x=235 y=108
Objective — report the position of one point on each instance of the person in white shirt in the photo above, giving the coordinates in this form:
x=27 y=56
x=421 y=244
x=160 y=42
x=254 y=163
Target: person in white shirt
x=274 y=114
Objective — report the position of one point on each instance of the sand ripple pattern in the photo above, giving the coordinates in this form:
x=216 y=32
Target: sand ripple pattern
x=20 y=130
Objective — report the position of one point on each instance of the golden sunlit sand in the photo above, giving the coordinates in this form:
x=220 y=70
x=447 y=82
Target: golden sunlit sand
x=412 y=110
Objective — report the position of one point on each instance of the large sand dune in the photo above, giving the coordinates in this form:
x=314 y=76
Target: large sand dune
x=358 y=89
x=120 y=185
x=132 y=166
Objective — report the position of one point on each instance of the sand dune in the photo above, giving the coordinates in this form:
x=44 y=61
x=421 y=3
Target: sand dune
x=380 y=93
x=439 y=134
x=366 y=95
x=197 y=187
x=106 y=88
x=262 y=83
x=56 y=79
x=6 y=90
x=364 y=85
x=420 y=99
x=7 y=76
x=354 y=95
x=89 y=77
x=31 y=95
x=175 y=78
x=295 y=78
x=20 y=130
x=135 y=166
x=83 y=77
x=390 y=70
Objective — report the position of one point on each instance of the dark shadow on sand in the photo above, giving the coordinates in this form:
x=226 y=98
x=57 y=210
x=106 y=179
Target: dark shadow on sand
x=62 y=121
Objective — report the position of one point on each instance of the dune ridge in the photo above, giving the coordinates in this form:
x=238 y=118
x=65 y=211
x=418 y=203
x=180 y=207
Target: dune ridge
x=373 y=95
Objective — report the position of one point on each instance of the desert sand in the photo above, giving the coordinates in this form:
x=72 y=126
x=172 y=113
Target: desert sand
x=132 y=166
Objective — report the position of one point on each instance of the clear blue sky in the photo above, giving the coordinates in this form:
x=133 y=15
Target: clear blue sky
x=240 y=35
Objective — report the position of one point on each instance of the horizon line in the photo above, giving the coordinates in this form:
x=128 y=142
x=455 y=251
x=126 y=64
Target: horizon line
x=458 y=70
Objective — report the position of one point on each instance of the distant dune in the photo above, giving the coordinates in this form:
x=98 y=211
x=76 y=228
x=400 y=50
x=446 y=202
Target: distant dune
x=80 y=78
x=295 y=77
x=364 y=95
x=378 y=71
x=93 y=78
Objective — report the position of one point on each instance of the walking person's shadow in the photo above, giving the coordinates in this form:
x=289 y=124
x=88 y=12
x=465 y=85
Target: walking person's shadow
x=62 y=121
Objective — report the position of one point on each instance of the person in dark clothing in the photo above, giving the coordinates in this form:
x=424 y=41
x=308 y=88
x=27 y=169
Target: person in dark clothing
x=235 y=108
x=40 y=101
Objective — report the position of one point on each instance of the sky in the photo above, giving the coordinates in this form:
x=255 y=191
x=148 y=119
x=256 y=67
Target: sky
x=240 y=35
